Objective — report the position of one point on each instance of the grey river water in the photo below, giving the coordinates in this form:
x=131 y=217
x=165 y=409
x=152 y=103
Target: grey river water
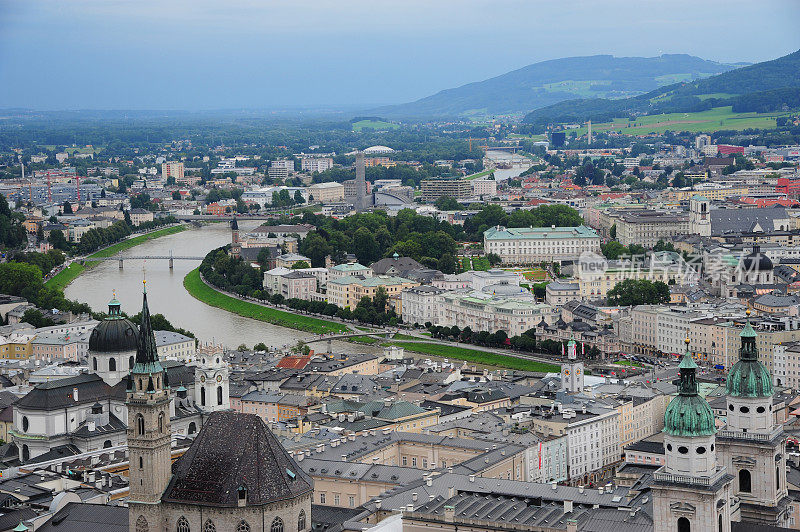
x=166 y=295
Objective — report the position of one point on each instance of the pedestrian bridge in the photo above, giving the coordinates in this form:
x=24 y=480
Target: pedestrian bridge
x=121 y=258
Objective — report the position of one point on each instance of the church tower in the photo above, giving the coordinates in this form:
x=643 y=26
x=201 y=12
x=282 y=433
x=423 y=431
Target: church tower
x=572 y=372
x=236 y=243
x=752 y=446
x=149 y=435
x=699 y=216
x=690 y=492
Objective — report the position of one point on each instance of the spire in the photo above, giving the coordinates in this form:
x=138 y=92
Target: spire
x=748 y=377
x=748 y=349
x=146 y=352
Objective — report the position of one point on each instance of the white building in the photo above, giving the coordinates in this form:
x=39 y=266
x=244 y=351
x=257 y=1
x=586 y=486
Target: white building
x=420 y=304
x=326 y=192
x=484 y=187
x=528 y=245
x=316 y=164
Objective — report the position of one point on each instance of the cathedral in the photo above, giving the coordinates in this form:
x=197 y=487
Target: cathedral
x=90 y=412
x=718 y=480
x=236 y=476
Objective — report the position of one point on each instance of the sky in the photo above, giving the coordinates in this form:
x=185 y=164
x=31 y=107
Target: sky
x=273 y=54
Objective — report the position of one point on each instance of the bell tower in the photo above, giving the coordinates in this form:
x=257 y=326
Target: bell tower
x=690 y=492
x=572 y=371
x=699 y=216
x=752 y=446
x=149 y=434
x=236 y=243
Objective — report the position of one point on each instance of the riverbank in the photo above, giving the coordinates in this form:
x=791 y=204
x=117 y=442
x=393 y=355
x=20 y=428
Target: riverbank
x=480 y=357
x=201 y=291
x=63 y=278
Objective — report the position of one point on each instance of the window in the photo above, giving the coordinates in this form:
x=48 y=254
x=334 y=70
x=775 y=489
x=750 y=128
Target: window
x=161 y=422
x=130 y=362
x=183 y=525
x=744 y=481
x=701 y=450
x=25 y=424
x=760 y=409
x=26 y=453
x=669 y=447
x=683 y=450
x=219 y=395
x=140 y=424
x=192 y=427
x=209 y=526
x=106 y=444
x=405 y=461
x=322 y=498
x=203 y=396
x=244 y=527
x=352 y=501
x=684 y=525
x=301 y=521
x=277 y=525
x=141 y=524
x=719 y=523
x=141 y=463
x=112 y=364
x=730 y=407
x=336 y=499
x=94 y=367
x=744 y=410
x=777 y=478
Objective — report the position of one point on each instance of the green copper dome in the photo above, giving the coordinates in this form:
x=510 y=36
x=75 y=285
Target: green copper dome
x=688 y=414
x=748 y=377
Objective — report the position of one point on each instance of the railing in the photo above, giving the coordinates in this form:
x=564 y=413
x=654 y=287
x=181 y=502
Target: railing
x=672 y=478
x=751 y=436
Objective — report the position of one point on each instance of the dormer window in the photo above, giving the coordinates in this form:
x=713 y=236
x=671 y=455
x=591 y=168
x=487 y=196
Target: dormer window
x=242 y=493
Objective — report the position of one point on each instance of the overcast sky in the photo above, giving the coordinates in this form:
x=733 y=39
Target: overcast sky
x=262 y=54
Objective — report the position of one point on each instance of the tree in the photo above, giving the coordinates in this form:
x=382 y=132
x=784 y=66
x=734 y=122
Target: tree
x=57 y=240
x=299 y=265
x=380 y=299
x=494 y=259
x=446 y=203
x=242 y=347
x=34 y=317
x=298 y=197
x=365 y=247
x=638 y=292
x=447 y=263
x=261 y=346
x=613 y=232
x=613 y=250
x=315 y=247
x=67 y=208
x=176 y=195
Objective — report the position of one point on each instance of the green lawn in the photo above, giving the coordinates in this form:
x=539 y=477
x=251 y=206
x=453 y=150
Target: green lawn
x=628 y=363
x=480 y=357
x=66 y=276
x=374 y=124
x=479 y=174
x=708 y=121
x=201 y=291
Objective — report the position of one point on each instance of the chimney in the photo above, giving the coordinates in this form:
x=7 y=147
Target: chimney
x=600 y=490
x=553 y=486
x=449 y=514
x=472 y=478
x=580 y=489
x=377 y=504
x=344 y=458
x=572 y=525
x=451 y=492
x=429 y=481
x=414 y=496
x=410 y=508
x=567 y=507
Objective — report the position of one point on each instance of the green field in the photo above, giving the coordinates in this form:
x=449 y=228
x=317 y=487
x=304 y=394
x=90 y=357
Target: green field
x=201 y=291
x=480 y=357
x=377 y=125
x=67 y=275
x=479 y=174
x=715 y=119
x=480 y=264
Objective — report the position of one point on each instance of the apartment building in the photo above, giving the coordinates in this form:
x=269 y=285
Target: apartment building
x=174 y=170
x=175 y=346
x=316 y=164
x=456 y=188
x=347 y=291
x=421 y=304
x=326 y=192
x=664 y=266
x=484 y=187
x=647 y=227
x=494 y=309
x=529 y=245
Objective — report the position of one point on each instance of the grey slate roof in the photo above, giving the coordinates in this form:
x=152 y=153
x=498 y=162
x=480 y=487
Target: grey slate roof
x=232 y=451
x=81 y=517
x=59 y=393
x=744 y=220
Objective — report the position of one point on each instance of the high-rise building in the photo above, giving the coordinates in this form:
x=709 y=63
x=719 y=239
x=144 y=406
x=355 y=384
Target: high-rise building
x=172 y=169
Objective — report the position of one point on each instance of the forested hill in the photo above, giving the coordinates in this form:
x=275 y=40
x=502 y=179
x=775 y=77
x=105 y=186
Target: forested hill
x=762 y=87
x=548 y=82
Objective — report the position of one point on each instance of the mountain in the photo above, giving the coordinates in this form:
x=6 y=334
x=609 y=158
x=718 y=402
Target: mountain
x=548 y=82
x=762 y=87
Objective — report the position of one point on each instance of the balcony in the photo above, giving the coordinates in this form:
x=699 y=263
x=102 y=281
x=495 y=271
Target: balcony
x=749 y=436
x=663 y=476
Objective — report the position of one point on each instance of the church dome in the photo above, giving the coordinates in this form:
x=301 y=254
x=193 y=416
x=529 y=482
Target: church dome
x=688 y=414
x=115 y=333
x=756 y=261
x=748 y=377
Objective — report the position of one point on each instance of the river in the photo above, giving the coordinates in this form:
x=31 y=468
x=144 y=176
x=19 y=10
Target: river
x=519 y=163
x=166 y=295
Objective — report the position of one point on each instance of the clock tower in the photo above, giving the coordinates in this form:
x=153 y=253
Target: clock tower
x=572 y=371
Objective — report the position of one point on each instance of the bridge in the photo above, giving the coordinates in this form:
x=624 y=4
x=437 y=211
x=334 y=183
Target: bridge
x=121 y=259
x=387 y=335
